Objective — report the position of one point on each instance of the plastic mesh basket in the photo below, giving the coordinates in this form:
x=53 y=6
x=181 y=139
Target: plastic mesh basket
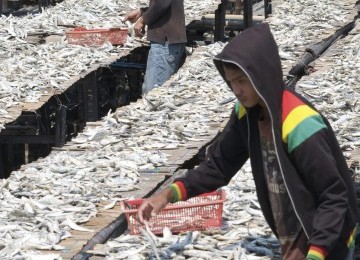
x=91 y=37
x=198 y=213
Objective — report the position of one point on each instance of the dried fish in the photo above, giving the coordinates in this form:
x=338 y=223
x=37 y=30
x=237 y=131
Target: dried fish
x=47 y=193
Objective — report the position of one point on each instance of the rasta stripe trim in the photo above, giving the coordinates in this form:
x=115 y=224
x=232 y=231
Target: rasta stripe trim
x=351 y=241
x=299 y=121
x=294 y=118
x=316 y=253
x=240 y=110
x=290 y=101
x=179 y=191
x=304 y=130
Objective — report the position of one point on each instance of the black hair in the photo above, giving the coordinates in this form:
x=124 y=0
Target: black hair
x=230 y=65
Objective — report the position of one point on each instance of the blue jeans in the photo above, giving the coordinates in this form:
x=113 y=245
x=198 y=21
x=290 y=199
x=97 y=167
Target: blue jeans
x=163 y=61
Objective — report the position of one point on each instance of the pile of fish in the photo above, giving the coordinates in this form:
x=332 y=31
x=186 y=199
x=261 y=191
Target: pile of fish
x=29 y=71
x=112 y=154
x=334 y=89
x=41 y=203
x=297 y=24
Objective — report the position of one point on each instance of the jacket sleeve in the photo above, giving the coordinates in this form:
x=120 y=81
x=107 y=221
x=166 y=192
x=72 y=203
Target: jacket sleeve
x=223 y=160
x=157 y=9
x=316 y=163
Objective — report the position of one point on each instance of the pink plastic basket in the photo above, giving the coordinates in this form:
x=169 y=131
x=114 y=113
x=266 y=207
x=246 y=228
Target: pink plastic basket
x=198 y=213
x=91 y=37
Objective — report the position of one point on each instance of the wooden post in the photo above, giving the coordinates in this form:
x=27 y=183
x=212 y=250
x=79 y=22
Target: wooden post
x=248 y=13
x=267 y=7
x=4 y=5
x=60 y=126
x=90 y=98
x=220 y=21
x=3 y=172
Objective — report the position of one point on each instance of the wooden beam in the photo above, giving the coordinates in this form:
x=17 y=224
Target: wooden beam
x=27 y=139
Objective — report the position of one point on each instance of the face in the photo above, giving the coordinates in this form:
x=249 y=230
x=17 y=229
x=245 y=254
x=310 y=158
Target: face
x=242 y=87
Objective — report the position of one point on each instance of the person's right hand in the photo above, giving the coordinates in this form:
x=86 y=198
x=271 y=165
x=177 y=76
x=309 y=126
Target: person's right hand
x=153 y=205
x=132 y=16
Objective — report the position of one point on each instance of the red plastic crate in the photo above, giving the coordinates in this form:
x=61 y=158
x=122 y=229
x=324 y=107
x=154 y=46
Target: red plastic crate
x=91 y=37
x=198 y=213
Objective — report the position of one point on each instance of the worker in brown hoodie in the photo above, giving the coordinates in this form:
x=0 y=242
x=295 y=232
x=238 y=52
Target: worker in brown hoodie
x=302 y=180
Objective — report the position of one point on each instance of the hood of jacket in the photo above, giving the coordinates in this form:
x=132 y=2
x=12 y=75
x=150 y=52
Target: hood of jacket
x=255 y=52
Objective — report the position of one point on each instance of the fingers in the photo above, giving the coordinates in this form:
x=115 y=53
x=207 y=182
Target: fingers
x=145 y=212
x=129 y=18
x=132 y=16
x=140 y=216
x=151 y=207
x=153 y=213
x=122 y=206
x=138 y=28
x=138 y=32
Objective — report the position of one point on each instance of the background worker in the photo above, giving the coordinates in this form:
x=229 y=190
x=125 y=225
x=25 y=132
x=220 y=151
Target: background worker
x=303 y=183
x=166 y=31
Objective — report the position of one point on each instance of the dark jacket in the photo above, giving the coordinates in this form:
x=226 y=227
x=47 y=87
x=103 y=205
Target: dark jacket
x=166 y=21
x=313 y=167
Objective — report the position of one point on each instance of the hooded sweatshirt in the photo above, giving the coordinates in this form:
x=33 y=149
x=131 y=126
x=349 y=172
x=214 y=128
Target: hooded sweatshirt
x=166 y=21
x=311 y=162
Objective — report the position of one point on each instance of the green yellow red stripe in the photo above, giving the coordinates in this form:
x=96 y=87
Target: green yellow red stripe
x=290 y=102
x=351 y=241
x=299 y=121
x=179 y=191
x=316 y=253
x=294 y=118
x=240 y=110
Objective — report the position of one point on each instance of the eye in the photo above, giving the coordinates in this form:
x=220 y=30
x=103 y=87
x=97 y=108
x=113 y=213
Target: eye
x=240 y=80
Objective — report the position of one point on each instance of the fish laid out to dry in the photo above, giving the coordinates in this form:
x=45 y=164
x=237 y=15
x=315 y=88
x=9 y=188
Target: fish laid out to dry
x=41 y=203
x=28 y=71
x=63 y=188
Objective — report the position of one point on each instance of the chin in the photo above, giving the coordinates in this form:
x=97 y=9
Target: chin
x=248 y=106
